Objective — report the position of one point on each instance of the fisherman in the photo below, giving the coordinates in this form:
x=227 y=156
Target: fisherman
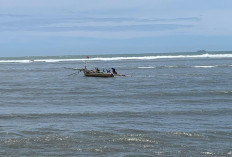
x=97 y=70
x=114 y=71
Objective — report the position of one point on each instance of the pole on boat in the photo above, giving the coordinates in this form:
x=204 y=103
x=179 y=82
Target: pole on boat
x=86 y=61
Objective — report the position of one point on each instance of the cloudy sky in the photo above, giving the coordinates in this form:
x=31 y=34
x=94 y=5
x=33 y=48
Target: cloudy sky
x=73 y=27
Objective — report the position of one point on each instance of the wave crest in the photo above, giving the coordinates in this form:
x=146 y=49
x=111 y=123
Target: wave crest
x=120 y=58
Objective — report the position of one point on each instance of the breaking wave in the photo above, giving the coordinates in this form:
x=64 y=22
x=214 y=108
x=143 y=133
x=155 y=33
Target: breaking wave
x=118 y=58
x=146 y=67
x=205 y=66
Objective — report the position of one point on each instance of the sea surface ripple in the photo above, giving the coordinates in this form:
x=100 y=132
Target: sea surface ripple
x=179 y=106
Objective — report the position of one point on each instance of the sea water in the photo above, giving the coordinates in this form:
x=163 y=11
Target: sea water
x=166 y=105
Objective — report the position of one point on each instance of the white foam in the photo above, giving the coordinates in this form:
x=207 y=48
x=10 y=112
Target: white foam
x=123 y=58
x=171 y=66
x=187 y=134
x=166 y=57
x=208 y=153
x=146 y=67
x=15 y=61
x=39 y=60
x=56 y=60
x=205 y=66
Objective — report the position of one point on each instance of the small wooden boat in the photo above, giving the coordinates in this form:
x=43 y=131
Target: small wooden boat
x=95 y=73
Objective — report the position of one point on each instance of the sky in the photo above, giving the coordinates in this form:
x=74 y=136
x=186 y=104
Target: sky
x=79 y=27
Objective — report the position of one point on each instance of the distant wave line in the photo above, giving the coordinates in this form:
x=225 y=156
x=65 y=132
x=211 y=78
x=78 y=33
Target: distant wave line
x=166 y=57
x=121 y=58
x=205 y=66
x=146 y=67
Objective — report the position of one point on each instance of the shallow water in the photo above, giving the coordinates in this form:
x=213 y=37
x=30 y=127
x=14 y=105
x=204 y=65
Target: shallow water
x=163 y=107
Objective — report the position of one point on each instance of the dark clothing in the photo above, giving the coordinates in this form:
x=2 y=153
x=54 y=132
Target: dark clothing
x=114 y=71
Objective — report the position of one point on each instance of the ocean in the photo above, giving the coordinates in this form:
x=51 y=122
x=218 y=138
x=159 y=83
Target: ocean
x=170 y=104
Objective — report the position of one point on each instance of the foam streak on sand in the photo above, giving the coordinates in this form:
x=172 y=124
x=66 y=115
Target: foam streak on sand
x=119 y=58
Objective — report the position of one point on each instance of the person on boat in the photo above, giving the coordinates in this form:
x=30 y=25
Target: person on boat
x=114 y=71
x=97 y=70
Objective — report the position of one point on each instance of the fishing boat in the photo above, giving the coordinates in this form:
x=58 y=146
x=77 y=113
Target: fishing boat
x=96 y=73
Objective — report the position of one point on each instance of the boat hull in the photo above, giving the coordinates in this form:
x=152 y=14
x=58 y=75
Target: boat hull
x=99 y=75
x=95 y=74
